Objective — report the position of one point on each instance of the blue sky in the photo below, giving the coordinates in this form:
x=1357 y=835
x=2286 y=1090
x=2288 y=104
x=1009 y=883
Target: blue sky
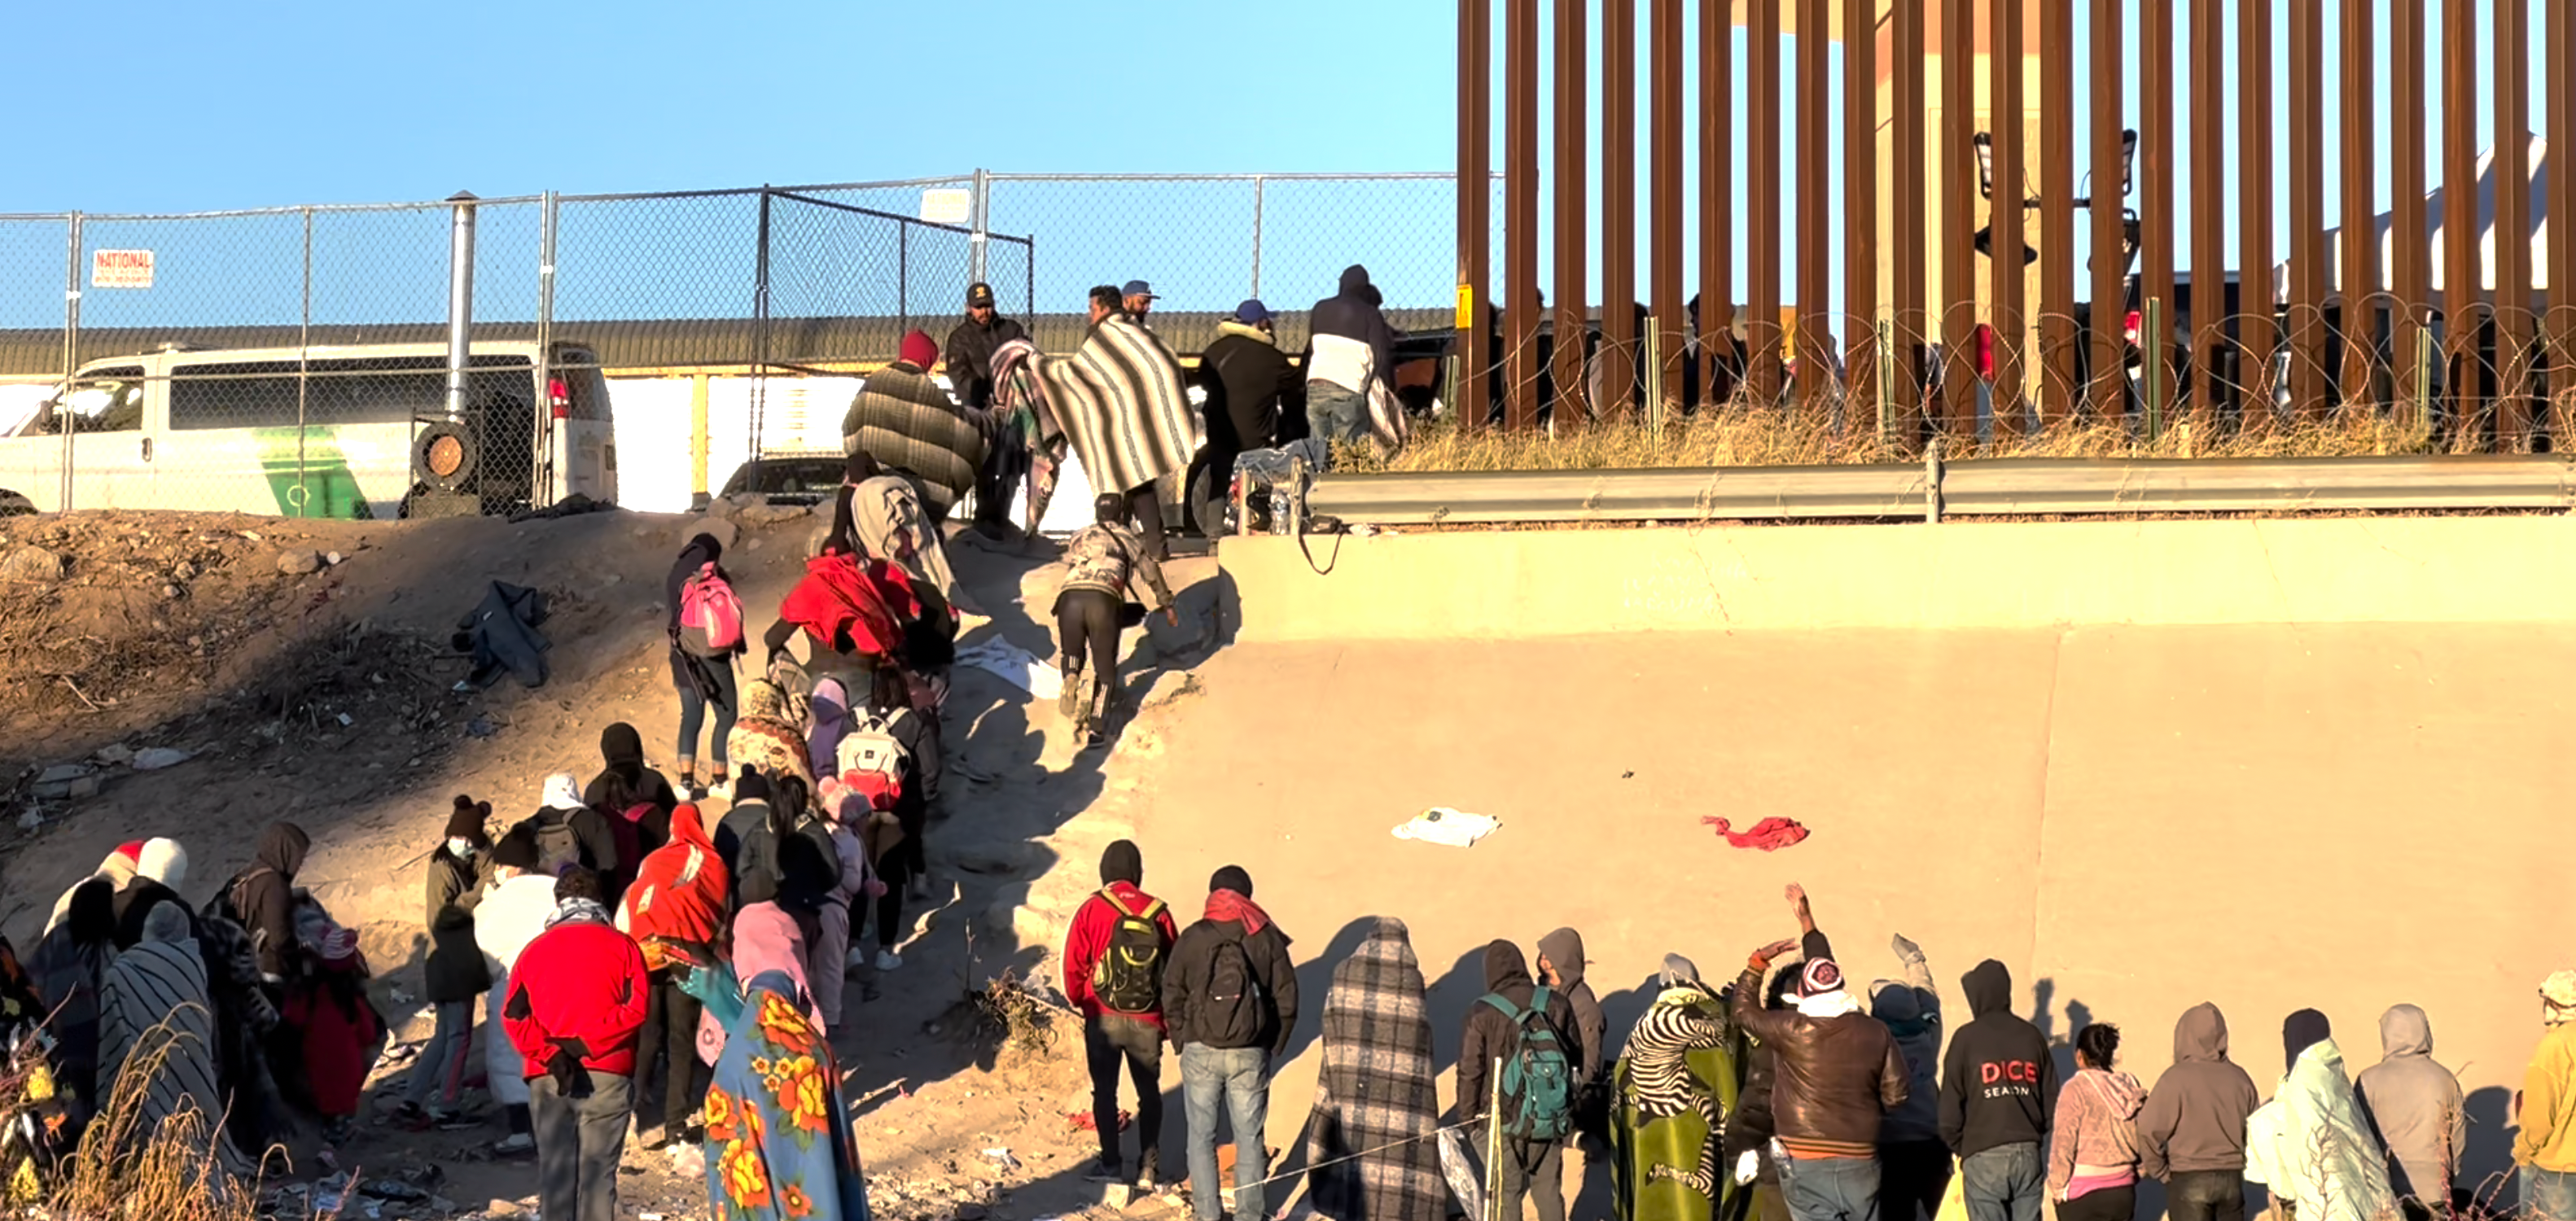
x=186 y=107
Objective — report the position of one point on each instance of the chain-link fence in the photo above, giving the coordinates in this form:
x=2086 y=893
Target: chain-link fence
x=296 y=360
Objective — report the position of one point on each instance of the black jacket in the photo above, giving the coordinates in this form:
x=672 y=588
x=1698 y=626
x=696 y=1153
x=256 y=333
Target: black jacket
x=455 y=970
x=1490 y=1035
x=264 y=896
x=621 y=749
x=1192 y=965
x=1998 y=1081
x=1353 y=313
x=1250 y=385
x=970 y=357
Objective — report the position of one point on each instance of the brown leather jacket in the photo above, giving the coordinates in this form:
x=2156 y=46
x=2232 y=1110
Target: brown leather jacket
x=1836 y=1078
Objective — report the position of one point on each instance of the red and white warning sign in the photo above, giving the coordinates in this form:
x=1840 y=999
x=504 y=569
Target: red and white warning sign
x=120 y=269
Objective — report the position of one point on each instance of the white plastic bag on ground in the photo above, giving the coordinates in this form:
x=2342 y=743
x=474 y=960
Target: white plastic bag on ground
x=1014 y=665
x=1442 y=825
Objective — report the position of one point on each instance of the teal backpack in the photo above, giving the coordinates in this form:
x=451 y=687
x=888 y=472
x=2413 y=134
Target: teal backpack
x=1538 y=1081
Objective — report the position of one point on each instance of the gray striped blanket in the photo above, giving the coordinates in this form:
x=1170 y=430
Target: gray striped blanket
x=154 y=1007
x=907 y=423
x=1120 y=401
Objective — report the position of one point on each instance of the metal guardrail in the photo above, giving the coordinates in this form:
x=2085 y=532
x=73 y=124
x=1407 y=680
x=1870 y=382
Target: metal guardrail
x=1972 y=488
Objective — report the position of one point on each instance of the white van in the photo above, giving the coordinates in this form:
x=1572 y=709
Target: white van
x=354 y=431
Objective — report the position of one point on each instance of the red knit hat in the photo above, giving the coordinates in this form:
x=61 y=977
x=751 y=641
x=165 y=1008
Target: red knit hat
x=920 y=350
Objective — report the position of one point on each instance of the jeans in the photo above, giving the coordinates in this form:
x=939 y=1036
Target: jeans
x=693 y=712
x=2205 y=1195
x=1912 y=1176
x=1108 y=1042
x=579 y=1139
x=670 y=1038
x=440 y=1071
x=1830 y=1188
x=2004 y=1183
x=1531 y=1168
x=1335 y=414
x=1238 y=1078
x=2549 y=1193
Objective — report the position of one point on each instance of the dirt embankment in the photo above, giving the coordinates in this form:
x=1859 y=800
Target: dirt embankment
x=306 y=673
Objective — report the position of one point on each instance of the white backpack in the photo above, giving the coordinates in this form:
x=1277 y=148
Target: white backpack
x=871 y=749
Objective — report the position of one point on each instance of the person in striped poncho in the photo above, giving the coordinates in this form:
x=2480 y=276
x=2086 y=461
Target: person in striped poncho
x=157 y=1035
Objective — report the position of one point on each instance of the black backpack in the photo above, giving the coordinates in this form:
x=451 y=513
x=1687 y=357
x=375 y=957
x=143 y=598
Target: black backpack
x=1236 y=1012
x=1129 y=976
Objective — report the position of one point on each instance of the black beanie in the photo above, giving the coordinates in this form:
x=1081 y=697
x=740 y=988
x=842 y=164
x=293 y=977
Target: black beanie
x=467 y=822
x=518 y=849
x=1121 y=862
x=2303 y=1030
x=751 y=786
x=1233 y=878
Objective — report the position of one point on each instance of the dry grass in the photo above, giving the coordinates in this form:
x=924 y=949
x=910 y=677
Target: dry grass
x=120 y=1170
x=1742 y=436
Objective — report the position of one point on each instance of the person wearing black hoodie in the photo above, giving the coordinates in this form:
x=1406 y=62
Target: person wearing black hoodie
x=1560 y=967
x=1998 y=1085
x=703 y=682
x=1229 y=1002
x=1532 y=1166
x=263 y=898
x=1350 y=346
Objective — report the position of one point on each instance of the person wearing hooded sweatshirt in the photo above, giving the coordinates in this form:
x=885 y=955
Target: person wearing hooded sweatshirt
x=160 y=873
x=1560 y=967
x=1229 y=1001
x=2191 y=1133
x=509 y=917
x=1351 y=350
x=1914 y=1163
x=675 y=912
x=888 y=523
x=1104 y=564
x=2311 y=1144
x=628 y=791
x=2417 y=1110
x=576 y=1004
x=2544 y=1147
x=568 y=832
x=262 y=898
x=70 y=968
x=704 y=683
x=458 y=868
x=1102 y=947
x=1997 y=1084
x=1533 y=1166
x=2093 y=1146
x=1836 y=1074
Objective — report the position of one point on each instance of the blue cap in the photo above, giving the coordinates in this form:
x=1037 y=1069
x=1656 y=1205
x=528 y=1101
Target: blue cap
x=1137 y=288
x=1252 y=312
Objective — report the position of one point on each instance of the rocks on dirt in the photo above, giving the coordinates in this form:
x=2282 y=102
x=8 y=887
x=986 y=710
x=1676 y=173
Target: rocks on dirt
x=771 y=515
x=296 y=562
x=154 y=758
x=32 y=566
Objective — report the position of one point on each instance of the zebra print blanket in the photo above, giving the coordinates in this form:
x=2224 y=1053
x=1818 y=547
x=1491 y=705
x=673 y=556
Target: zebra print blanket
x=1370 y=1138
x=1120 y=401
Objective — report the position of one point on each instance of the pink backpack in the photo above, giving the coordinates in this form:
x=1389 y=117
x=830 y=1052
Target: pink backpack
x=710 y=615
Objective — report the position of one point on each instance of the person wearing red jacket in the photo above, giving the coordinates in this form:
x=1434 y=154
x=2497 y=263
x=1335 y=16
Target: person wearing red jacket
x=576 y=1003
x=675 y=912
x=1095 y=960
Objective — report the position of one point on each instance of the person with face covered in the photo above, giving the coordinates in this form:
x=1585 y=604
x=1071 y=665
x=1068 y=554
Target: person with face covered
x=456 y=973
x=1533 y=1164
x=1997 y=1084
x=2416 y=1108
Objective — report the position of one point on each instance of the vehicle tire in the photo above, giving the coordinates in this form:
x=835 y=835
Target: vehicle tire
x=444 y=456
x=14 y=505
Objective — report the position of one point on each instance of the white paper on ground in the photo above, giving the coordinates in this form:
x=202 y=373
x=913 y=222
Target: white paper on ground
x=1014 y=665
x=1442 y=825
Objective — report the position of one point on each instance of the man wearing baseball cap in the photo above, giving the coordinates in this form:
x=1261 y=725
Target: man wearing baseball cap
x=1138 y=300
x=2545 y=1145
x=970 y=373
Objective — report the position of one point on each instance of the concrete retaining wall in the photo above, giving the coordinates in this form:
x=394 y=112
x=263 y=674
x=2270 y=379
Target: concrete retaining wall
x=1450 y=585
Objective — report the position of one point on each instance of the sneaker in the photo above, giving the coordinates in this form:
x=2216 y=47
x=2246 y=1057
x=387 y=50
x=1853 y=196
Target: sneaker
x=858 y=958
x=1068 y=701
x=1105 y=1171
x=516 y=1144
x=721 y=790
x=918 y=889
x=887 y=960
x=1149 y=1172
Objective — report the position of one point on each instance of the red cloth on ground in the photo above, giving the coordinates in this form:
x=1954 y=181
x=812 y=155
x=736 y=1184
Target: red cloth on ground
x=870 y=602
x=335 y=1044
x=1770 y=834
x=1088 y=939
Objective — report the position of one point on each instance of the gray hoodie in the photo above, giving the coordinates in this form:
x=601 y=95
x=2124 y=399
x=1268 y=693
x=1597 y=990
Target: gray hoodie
x=2195 y=1116
x=1911 y=1010
x=2416 y=1107
x=1563 y=950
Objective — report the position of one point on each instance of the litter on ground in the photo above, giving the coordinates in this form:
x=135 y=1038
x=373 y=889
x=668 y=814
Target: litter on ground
x=1442 y=825
x=1015 y=665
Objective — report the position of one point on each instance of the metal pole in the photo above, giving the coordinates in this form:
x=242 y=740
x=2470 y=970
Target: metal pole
x=1886 y=354
x=304 y=372
x=1665 y=336
x=460 y=300
x=760 y=329
x=71 y=353
x=1655 y=377
x=2152 y=316
x=1520 y=214
x=979 y=239
x=554 y=442
x=1494 y=1148
x=902 y=272
x=1475 y=205
x=1257 y=192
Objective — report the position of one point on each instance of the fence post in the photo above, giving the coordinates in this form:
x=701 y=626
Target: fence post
x=71 y=352
x=760 y=330
x=304 y=372
x=555 y=442
x=2422 y=429
x=1260 y=186
x=460 y=302
x=698 y=443
x=977 y=241
x=903 y=279
x=2151 y=334
x=1886 y=363
x=1655 y=379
